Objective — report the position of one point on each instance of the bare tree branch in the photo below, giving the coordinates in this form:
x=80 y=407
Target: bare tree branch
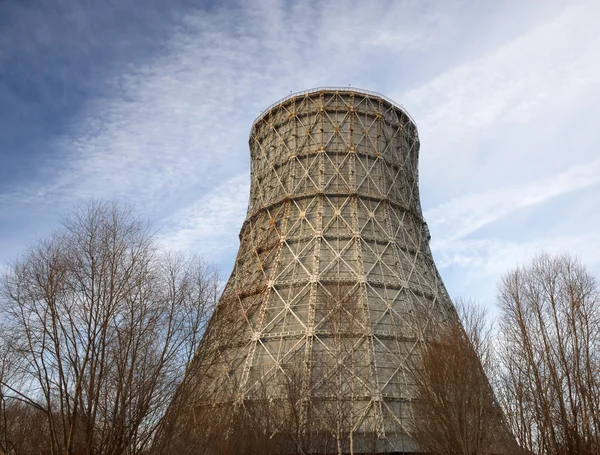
x=103 y=324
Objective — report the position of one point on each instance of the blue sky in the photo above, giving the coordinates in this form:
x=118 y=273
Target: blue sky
x=152 y=102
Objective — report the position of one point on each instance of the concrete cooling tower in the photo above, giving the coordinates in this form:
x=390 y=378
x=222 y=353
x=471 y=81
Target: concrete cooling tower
x=316 y=334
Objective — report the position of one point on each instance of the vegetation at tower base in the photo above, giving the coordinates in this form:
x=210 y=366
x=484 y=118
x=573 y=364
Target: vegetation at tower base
x=97 y=327
x=333 y=293
x=457 y=412
x=549 y=355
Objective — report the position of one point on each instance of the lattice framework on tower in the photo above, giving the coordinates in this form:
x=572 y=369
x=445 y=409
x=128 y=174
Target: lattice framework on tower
x=334 y=284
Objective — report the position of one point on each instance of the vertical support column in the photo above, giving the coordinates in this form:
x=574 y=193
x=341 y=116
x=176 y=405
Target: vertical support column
x=376 y=394
x=314 y=280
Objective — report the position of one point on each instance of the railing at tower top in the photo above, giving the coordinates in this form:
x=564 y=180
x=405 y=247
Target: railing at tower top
x=334 y=89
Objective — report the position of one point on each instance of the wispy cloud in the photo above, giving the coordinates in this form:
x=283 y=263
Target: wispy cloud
x=490 y=258
x=551 y=66
x=460 y=217
x=208 y=224
x=168 y=130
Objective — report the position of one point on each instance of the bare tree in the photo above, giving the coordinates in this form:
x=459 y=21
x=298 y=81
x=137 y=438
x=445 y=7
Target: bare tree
x=104 y=324
x=205 y=415
x=550 y=353
x=6 y=377
x=456 y=412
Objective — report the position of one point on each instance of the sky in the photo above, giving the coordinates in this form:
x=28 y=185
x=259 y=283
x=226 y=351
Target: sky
x=152 y=103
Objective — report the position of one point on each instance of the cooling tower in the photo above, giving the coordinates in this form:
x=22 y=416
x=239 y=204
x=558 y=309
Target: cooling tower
x=334 y=284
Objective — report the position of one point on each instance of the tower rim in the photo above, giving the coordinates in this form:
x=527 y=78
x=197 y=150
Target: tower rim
x=330 y=89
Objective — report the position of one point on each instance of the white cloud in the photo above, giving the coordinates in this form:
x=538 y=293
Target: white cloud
x=473 y=268
x=209 y=225
x=460 y=217
x=550 y=66
x=493 y=257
